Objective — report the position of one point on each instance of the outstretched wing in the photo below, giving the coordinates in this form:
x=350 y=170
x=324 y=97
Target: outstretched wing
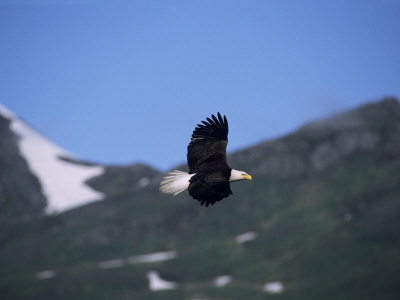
x=207 y=147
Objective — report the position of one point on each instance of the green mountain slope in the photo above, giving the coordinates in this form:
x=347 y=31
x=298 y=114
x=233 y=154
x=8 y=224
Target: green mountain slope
x=324 y=205
x=21 y=197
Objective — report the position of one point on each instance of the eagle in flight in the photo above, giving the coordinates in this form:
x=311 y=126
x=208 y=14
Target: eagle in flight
x=209 y=177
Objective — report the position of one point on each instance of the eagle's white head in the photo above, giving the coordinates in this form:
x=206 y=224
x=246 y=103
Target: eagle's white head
x=237 y=175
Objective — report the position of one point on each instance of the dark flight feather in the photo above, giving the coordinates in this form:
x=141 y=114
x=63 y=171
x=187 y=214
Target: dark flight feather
x=208 y=144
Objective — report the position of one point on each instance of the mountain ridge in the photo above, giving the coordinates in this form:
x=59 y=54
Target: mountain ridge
x=285 y=165
x=343 y=138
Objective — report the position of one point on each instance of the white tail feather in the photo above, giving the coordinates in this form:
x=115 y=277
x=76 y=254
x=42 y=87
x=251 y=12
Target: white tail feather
x=175 y=182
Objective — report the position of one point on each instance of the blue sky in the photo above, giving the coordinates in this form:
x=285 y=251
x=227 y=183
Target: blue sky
x=127 y=81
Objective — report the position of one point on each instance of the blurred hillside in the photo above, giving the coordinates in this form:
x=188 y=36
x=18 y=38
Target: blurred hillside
x=319 y=220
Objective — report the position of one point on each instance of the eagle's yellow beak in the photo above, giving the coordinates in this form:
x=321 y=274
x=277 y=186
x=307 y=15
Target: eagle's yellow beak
x=247 y=176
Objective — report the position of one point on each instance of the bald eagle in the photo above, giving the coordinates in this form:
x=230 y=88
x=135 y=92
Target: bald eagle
x=209 y=177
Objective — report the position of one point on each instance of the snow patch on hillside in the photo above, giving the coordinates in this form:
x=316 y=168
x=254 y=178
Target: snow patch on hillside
x=110 y=264
x=222 y=280
x=63 y=183
x=144 y=182
x=47 y=274
x=245 y=237
x=156 y=283
x=274 y=287
x=152 y=257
